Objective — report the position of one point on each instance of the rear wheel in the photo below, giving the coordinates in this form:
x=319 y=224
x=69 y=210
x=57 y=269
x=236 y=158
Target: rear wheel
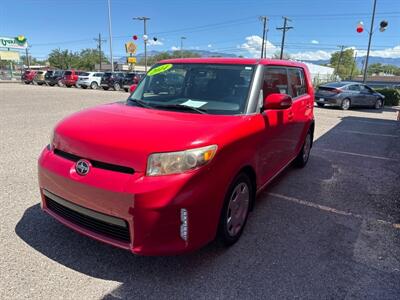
x=378 y=104
x=105 y=88
x=83 y=86
x=345 y=105
x=94 y=85
x=126 y=90
x=302 y=158
x=235 y=210
x=68 y=86
x=60 y=83
x=320 y=104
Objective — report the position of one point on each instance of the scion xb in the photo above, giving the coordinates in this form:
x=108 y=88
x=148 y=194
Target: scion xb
x=170 y=169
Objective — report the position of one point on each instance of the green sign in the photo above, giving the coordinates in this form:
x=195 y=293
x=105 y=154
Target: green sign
x=159 y=69
x=18 y=42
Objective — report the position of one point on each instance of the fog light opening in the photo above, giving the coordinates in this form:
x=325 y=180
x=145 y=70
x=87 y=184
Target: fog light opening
x=184 y=225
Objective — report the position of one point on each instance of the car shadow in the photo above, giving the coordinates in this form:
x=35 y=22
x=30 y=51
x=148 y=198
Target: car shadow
x=366 y=109
x=286 y=249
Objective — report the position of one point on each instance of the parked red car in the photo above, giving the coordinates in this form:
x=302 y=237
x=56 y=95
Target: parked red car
x=70 y=77
x=28 y=76
x=168 y=171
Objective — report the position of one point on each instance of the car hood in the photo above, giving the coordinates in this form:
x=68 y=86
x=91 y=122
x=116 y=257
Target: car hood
x=126 y=135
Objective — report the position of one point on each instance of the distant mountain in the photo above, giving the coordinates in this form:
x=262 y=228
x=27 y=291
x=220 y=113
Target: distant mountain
x=360 y=61
x=202 y=53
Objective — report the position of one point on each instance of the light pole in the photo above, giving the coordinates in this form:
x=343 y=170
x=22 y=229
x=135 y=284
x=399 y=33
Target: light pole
x=145 y=38
x=110 y=34
x=182 y=38
x=284 y=29
x=369 y=43
x=264 y=37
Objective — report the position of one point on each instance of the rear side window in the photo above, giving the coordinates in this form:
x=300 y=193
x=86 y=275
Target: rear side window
x=275 y=81
x=297 y=82
x=67 y=73
x=354 y=87
x=83 y=74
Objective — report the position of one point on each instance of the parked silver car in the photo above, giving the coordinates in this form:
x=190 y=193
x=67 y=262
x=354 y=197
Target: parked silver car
x=348 y=94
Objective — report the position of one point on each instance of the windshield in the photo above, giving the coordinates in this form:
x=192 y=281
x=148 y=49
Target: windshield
x=212 y=88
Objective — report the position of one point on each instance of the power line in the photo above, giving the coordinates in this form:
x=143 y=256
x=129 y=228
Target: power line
x=99 y=42
x=264 y=38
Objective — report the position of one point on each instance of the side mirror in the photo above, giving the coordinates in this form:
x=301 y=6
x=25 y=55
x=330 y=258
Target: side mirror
x=133 y=88
x=277 y=101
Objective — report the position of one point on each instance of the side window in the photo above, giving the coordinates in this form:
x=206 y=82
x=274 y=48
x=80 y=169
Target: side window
x=275 y=81
x=297 y=82
x=354 y=87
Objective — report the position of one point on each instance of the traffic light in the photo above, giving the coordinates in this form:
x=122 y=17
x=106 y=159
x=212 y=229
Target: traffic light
x=360 y=27
x=383 y=25
x=135 y=37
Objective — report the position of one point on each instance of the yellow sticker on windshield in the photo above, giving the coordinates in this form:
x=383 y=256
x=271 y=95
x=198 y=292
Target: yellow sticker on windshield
x=159 y=69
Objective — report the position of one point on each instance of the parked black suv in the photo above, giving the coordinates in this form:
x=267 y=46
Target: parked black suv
x=112 y=80
x=54 y=77
x=131 y=78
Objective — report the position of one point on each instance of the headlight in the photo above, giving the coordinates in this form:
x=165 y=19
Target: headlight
x=179 y=162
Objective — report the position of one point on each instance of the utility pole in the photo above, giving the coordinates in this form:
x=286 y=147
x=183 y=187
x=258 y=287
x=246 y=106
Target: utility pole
x=27 y=56
x=264 y=37
x=284 y=29
x=99 y=42
x=110 y=35
x=354 y=63
x=182 y=38
x=340 y=58
x=145 y=38
x=369 y=43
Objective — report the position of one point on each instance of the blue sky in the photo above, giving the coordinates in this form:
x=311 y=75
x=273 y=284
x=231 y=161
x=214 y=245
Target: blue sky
x=230 y=26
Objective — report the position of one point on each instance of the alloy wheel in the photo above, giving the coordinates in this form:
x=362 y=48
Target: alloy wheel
x=238 y=208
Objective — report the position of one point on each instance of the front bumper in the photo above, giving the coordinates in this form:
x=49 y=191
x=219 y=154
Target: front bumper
x=150 y=206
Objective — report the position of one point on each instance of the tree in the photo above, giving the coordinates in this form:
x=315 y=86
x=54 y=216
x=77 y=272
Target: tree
x=63 y=59
x=380 y=68
x=346 y=65
x=167 y=55
x=89 y=57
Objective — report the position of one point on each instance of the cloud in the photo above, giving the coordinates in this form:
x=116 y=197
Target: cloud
x=152 y=42
x=387 y=53
x=253 y=46
x=312 y=55
x=174 y=48
x=209 y=45
x=315 y=42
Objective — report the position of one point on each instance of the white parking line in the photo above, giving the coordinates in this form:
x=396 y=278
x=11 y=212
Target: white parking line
x=333 y=210
x=358 y=154
x=368 y=133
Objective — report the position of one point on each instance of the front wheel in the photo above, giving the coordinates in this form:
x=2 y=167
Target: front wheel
x=60 y=83
x=117 y=87
x=302 y=158
x=345 y=105
x=378 y=104
x=235 y=210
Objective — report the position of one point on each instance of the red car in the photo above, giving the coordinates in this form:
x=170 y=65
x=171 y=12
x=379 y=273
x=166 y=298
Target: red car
x=70 y=77
x=166 y=172
x=28 y=76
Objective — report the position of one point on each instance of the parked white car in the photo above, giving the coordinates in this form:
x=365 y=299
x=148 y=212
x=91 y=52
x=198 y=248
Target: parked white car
x=89 y=79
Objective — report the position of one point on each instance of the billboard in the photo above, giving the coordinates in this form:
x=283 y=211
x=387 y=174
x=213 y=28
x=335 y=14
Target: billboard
x=18 y=42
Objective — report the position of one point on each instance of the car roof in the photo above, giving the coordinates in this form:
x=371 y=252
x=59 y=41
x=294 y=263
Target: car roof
x=234 y=61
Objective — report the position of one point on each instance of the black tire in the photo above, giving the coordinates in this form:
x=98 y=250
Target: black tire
x=51 y=84
x=304 y=154
x=60 y=83
x=126 y=90
x=116 y=86
x=27 y=82
x=224 y=234
x=68 y=86
x=84 y=87
x=320 y=104
x=105 y=88
x=40 y=83
x=378 y=104
x=94 y=85
x=346 y=103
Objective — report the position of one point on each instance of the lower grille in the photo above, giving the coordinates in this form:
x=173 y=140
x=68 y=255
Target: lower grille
x=88 y=219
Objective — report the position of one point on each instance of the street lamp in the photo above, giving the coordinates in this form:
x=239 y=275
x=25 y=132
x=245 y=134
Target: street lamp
x=145 y=38
x=182 y=38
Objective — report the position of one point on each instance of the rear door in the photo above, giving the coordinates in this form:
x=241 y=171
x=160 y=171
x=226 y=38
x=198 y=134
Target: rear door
x=354 y=94
x=301 y=108
x=276 y=144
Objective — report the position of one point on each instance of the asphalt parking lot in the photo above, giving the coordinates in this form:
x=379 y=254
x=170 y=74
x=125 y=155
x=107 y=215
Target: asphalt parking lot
x=330 y=230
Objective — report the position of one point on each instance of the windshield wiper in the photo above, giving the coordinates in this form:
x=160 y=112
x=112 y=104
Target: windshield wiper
x=140 y=103
x=182 y=107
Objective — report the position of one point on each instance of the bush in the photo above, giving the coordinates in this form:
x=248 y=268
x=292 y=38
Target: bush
x=392 y=96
